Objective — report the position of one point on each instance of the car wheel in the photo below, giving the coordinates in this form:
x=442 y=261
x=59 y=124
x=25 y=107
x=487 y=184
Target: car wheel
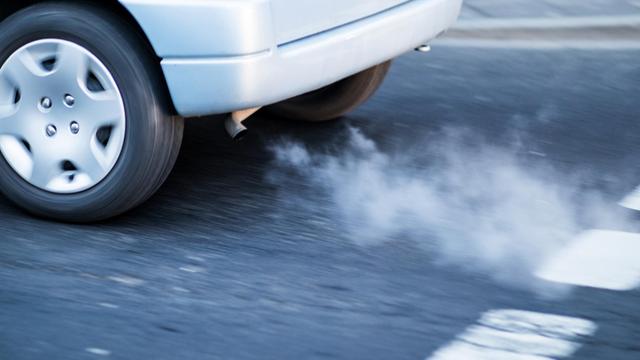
x=335 y=100
x=85 y=127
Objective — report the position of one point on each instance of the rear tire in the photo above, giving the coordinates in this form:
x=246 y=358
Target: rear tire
x=152 y=136
x=335 y=100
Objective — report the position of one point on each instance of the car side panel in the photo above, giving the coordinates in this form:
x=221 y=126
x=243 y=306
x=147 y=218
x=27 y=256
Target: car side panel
x=295 y=19
x=205 y=28
x=201 y=86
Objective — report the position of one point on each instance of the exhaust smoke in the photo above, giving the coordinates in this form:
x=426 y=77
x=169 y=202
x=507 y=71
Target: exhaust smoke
x=478 y=207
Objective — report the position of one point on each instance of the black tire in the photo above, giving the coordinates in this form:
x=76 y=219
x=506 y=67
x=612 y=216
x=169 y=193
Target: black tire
x=335 y=100
x=153 y=136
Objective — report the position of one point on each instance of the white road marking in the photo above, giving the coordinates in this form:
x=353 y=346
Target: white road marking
x=597 y=258
x=537 y=153
x=539 y=44
x=632 y=201
x=108 y=305
x=192 y=269
x=573 y=22
x=97 y=351
x=595 y=32
x=181 y=289
x=518 y=335
x=127 y=280
x=195 y=258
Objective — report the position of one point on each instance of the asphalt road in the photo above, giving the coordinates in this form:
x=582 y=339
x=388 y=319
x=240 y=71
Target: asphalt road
x=241 y=257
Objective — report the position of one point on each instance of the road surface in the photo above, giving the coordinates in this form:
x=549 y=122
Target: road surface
x=244 y=256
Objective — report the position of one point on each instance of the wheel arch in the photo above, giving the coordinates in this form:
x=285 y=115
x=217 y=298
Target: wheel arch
x=8 y=8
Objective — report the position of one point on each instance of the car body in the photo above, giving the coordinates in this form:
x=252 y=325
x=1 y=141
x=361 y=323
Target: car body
x=93 y=93
x=223 y=55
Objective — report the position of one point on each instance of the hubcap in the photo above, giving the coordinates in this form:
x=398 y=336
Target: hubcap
x=55 y=85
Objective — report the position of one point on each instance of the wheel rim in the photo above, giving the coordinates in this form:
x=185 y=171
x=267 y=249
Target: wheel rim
x=62 y=117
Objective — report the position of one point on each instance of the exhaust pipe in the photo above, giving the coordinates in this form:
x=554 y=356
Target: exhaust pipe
x=233 y=123
x=425 y=48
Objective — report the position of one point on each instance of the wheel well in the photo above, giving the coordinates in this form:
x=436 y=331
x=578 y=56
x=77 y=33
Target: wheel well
x=8 y=8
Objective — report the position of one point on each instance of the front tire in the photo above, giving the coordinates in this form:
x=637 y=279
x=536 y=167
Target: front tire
x=335 y=100
x=100 y=137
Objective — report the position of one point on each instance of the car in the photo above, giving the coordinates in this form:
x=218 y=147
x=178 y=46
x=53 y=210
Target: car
x=93 y=93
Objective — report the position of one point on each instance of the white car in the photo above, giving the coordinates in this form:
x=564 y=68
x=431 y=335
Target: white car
x=92 y=93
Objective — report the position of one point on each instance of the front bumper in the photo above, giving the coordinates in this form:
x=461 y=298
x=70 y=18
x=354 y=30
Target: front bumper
x=202 y=85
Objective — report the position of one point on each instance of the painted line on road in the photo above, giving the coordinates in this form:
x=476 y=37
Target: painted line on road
x=127 y=280
x=518 y=335
x=632 y=201
x=597 y=258
x=538 y=44
x=98 y=351
x=594 y=33
x=567 y=22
